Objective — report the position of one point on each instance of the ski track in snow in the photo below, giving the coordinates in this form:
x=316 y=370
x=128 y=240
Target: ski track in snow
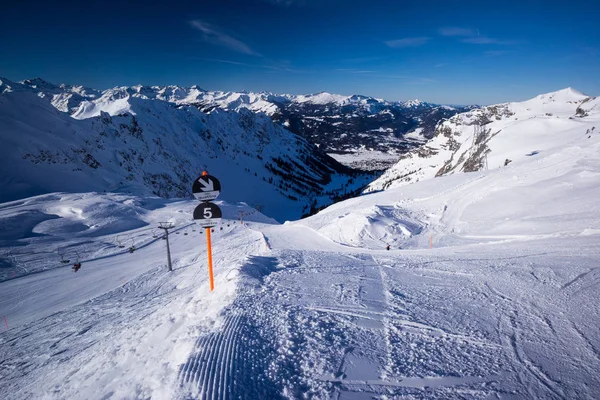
x=340 y=323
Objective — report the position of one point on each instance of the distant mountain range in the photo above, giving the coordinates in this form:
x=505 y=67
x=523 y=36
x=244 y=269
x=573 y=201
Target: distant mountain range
x=335 y=123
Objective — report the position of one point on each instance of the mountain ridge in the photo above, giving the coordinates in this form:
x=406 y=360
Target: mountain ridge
x=495 y=136
x=335 y=123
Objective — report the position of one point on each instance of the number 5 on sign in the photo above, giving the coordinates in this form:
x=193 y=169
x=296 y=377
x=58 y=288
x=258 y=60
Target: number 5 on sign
x=207 y=215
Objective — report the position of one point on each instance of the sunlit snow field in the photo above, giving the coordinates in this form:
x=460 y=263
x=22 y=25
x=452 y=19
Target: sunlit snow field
x=490 y=290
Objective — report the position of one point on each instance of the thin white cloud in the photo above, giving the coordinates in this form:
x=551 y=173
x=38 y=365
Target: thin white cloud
x=223 y=61
x=272 y=67
x=495 y=53
x=441 y=65
x=455 y=31
x=355 y=71
x=473 y=36
x=488 y=40
x=407 y=42
x=361 y=60
x=213 y=35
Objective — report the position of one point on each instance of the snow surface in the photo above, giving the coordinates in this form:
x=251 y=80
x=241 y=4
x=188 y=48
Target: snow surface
x=511 y=131
x=490 y=290
x=322 y=98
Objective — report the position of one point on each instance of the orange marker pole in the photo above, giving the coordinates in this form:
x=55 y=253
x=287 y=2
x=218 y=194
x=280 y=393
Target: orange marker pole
x=210 y=269
x=431 y=242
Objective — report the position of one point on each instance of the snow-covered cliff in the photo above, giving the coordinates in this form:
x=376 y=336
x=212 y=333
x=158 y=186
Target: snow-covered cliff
x=497 y=135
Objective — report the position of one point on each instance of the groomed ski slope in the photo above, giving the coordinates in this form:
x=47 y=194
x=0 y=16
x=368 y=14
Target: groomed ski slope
x=490 y=290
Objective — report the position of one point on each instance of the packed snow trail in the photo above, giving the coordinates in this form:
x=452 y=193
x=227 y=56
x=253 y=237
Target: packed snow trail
x=363 y=324
x=320 y=319
x=122 y=325
x=504 y=305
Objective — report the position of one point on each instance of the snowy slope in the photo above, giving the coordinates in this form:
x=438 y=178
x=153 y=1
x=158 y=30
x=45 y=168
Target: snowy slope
x=117 y=294
x=510 y=132
x=123 y=142
x=490 y=290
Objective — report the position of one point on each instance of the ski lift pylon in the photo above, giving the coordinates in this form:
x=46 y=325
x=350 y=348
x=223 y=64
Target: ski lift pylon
x=61 y=254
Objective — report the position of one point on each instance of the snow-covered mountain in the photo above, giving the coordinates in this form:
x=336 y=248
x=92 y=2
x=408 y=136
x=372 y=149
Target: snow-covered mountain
x=336 y=123
x=498 y=135
x=129 y=139
x=347 y=124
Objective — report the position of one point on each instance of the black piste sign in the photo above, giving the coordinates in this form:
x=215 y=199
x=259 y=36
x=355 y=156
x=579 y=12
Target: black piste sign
x=207 y=215
x=206 y=188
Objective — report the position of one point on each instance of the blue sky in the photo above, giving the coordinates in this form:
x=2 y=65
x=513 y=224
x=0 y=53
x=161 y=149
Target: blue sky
x=445 y=52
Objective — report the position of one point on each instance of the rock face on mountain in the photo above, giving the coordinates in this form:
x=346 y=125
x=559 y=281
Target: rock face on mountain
x=345 y=123
x=497 y=135
x=73 y=139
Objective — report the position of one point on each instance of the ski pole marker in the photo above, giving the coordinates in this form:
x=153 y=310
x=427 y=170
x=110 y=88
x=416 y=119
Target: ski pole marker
x=211 y=279
x=207 y=214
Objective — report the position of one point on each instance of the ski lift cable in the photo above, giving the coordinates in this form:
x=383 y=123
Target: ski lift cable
x=119 y=239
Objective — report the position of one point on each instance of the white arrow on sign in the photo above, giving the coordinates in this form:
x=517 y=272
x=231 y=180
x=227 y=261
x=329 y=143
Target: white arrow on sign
x=207 y=186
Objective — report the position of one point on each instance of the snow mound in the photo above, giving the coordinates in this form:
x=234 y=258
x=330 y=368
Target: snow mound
x=371 y=228
x=42 y=229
